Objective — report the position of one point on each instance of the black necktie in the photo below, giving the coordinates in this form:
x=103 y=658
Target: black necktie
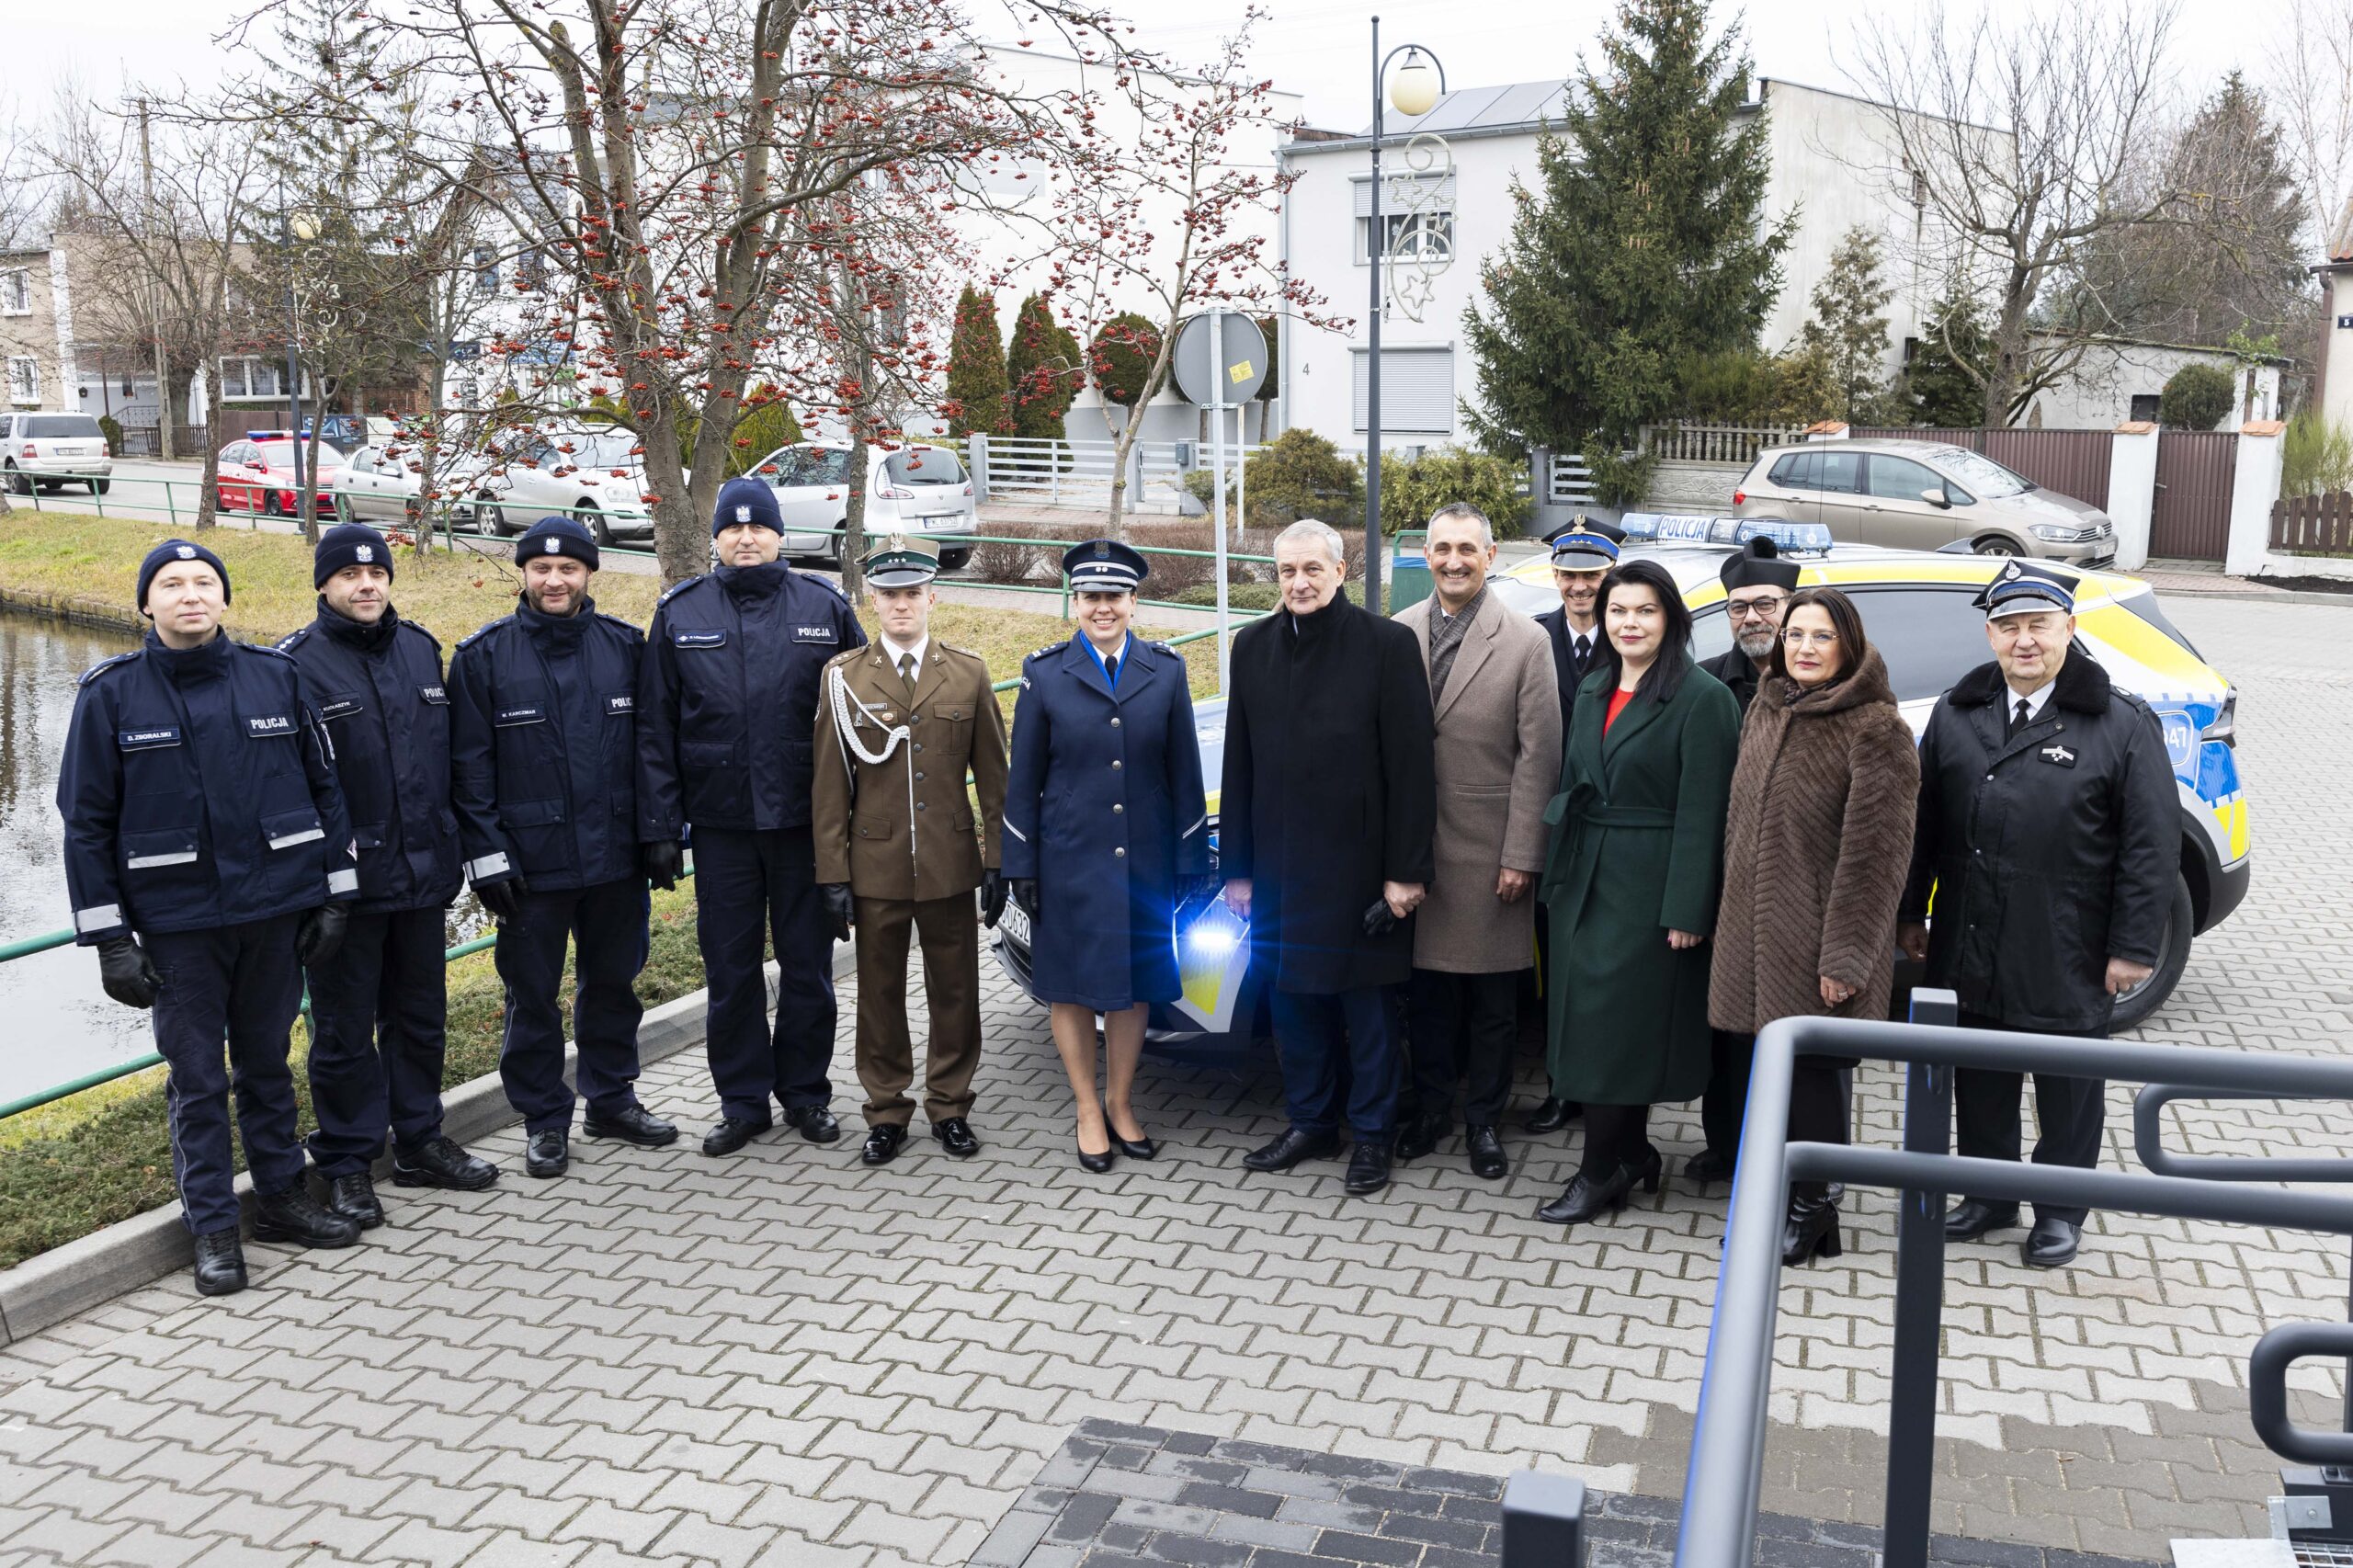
x=1584 y=652
x=2021 y=716
x=1111 y=670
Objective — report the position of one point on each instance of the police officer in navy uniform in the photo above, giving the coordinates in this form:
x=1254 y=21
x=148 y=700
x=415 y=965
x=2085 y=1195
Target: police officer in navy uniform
x=203 y=820
x=543 y=747
x=380 y=1004
x=727 y=710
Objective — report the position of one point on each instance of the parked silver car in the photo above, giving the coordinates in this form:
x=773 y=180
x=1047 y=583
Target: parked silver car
x=597 y=475
x=1923 y=496
x=53 y=451
x=923 y=489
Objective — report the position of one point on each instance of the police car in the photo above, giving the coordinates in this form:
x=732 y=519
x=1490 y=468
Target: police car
x=1917 y=606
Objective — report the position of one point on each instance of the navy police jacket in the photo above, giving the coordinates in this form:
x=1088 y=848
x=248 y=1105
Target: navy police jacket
x=542 y=744
x=727 y=700
x=379 y=692
x=199 y=790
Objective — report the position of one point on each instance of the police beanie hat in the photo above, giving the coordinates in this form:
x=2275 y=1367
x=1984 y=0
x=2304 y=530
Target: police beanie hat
x=557 y=535
x=173 y=549
x=349 y=544
x=745 y=501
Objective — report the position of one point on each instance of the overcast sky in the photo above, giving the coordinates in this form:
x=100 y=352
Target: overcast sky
x=1313 y=47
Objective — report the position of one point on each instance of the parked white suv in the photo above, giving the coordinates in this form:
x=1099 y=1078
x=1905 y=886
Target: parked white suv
x=53 y=451
x=918 y=488
x=596 y=475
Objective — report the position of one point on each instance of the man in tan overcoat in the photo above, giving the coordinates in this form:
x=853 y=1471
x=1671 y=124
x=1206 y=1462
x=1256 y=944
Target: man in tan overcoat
x=1498 y=708
x=898 y=851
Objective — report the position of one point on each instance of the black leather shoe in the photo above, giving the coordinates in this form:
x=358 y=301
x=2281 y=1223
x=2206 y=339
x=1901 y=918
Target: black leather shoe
x=219 y=1264
x=2052 y=1243
x=1811 y=1228
x=1295 y=1146
x=1552 y=1114
x=1969 y=1219
x=955 y=1135
x=631 y=1124
x=882 y=1141
x=1368 y=1169
x=354 y=1197
x=441 y=1163
x=727 y=1135
x=1134 y=1148
x=1420 y=1136
x=1096 y=1165
x=1488 y=1161
x=815 y=1124
x=295 y=1216
x=1708 y=1165
x=548 y=1153
x=1585 y=1198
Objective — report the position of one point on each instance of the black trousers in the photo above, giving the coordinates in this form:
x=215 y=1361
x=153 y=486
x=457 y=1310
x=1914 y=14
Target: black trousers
x=2072 y=1112
x=382 y=1008
x=1819 y=1111
x=749 y=886
x=608 y=920
x=239 y=981
x=1458 y=1025
x=1724 y=1103
x=1339 y=1055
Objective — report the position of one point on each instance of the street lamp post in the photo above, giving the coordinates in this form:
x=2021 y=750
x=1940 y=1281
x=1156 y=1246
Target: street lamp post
x=1415 y=91
x=292 y=227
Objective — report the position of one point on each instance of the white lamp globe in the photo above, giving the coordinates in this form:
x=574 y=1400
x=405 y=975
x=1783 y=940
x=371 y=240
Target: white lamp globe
x=1413 y=87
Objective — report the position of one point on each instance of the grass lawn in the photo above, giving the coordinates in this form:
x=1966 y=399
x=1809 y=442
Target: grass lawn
x=77 y=1164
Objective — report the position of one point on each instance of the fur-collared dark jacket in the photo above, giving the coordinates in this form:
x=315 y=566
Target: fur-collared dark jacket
x=2050 y=851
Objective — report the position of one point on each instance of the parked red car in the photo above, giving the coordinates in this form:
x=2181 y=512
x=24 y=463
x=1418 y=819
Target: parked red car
x=258 y=475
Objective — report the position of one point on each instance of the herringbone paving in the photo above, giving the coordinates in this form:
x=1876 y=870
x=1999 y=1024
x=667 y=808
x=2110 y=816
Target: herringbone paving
x=787 y=1358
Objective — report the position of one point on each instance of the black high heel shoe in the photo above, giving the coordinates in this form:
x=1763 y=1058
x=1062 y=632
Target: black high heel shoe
x=1134 y=1148
x=1587 y=1197
x=1096 y=1165
x=1810 y=1229
x=1646 y=1175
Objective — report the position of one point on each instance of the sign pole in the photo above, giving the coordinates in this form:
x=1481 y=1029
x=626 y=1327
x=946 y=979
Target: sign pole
x=1217 y=518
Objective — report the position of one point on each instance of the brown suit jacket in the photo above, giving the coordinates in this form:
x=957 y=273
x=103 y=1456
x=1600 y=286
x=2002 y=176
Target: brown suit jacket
x=902 y=828
x=1498 y=761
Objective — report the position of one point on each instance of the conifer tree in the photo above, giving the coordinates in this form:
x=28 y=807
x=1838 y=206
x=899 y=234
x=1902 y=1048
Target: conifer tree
x=1945 y=383
x=1847 y=330
x=1643 y=241
x=1044 y=370
x=976 y=385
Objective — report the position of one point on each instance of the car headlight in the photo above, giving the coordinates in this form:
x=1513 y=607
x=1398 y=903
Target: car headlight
x=2056 y=533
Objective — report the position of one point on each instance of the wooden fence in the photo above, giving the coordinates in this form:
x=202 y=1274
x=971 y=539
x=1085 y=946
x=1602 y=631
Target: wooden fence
x=2313 y=525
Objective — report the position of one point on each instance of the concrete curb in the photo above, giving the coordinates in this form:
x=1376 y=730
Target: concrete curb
x=2261 y=596
x=88 y=1272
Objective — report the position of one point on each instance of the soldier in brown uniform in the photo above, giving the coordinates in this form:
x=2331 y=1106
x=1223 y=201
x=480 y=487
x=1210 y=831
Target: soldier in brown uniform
x=898 y=723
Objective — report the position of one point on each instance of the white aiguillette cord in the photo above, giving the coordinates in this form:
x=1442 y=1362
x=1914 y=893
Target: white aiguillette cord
x=845 y=735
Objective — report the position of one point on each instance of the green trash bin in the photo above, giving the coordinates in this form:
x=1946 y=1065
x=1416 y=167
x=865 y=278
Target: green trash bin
x=1409 y=569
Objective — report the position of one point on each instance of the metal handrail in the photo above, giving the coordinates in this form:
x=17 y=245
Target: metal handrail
x=1722 y=1485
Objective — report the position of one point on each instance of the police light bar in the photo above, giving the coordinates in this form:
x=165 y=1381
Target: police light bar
x=1794 y=538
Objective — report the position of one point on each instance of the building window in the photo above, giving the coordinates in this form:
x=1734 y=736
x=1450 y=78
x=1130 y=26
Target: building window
x=1416 y=217
x=485 y=270
x=531 y=271
x=249 y=377
x=16 y=293
x=24 y=379
x=2144 y=405
x=1416 y=390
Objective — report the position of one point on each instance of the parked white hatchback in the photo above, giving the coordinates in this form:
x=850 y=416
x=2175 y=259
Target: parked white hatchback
x=915 y=488
x=53 y=451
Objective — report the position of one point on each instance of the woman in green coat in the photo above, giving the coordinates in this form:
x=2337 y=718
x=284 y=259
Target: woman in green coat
x=1631 y=883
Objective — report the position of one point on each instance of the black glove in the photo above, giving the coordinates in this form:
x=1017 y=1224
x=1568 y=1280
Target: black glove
x=1025 y=893
x=504 y=899
x=662 y=861
x=992 y=896
x=124 y=971
x=320 y=933
x=1380 y=920
x=840 y=906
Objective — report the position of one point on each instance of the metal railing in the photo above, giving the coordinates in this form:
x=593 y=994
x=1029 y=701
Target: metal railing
x=1732 y=445
x=1721 y=1486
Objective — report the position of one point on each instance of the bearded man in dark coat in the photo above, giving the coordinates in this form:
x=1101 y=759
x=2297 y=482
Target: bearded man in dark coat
x=1328 y=812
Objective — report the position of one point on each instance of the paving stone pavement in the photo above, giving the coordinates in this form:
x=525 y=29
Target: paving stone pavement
x=786 y=1358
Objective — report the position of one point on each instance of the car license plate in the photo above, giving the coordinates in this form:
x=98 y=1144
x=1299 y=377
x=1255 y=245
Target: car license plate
x=1014 y=924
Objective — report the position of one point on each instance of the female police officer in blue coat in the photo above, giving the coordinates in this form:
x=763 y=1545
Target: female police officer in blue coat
x=1104 y=818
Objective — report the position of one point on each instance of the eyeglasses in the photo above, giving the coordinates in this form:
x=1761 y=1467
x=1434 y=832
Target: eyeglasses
x=1754 y=609
x=1796 y=637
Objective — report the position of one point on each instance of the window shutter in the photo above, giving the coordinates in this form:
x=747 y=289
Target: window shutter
x=1393 y=188
x=1416 y=390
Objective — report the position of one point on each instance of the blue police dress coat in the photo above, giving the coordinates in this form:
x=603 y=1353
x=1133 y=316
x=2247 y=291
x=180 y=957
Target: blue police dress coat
x=1104 y=809
x=543 y=749
x=199 y=790
x=727 y=699
x=377 y=690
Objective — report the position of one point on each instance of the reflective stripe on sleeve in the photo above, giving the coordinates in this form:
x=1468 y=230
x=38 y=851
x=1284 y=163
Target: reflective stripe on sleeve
x=291 y=839
x=488 y=866
x=1195 y=828
x=342 y=882
x=142 y=862
x=98 y=918
x=1017 y=832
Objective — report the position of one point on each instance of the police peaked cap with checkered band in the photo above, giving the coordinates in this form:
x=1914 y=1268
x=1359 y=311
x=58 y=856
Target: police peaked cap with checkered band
x=173 y=549
x=348 y=544
x=557 y=535
x=1758 y=564
x=1101 y=565
x=745 y=501
x=2021 y=588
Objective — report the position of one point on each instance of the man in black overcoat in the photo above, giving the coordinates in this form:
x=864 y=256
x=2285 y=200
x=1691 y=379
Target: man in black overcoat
x=2049 y=834
x=1329 y=805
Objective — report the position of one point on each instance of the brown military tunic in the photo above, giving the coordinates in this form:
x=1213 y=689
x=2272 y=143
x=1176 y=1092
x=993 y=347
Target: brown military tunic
x=902 y=832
